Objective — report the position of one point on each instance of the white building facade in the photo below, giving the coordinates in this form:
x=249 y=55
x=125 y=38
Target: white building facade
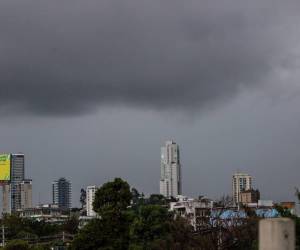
x=240 y=182
x=170 y=180
x=90 y=196
x=197 y=212
x=26 y=194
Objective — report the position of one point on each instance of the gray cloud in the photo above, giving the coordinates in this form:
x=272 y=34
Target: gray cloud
x=71 y=57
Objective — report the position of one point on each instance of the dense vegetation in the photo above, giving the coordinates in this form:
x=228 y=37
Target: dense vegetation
x=20 y=233
x=129 y=221
x=140 y=224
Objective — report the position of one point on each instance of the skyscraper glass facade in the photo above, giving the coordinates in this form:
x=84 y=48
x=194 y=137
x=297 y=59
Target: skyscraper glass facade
x=62 y=193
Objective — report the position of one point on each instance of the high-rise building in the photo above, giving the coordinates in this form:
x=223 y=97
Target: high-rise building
x=61 y=193
x=90 y=196
x=170 y=179
x=17 y=176
x=11 y=191
x=26 y=194
x=240 y=182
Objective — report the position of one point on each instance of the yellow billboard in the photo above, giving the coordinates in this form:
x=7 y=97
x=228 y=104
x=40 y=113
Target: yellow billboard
x=4 y=167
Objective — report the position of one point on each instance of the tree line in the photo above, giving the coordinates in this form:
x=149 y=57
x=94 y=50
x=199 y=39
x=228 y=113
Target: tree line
x=126 y=220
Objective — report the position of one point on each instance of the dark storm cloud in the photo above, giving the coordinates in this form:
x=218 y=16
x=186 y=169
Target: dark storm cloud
x=72 y=56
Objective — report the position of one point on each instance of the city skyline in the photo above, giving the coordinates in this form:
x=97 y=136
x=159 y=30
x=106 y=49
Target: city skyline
x=170 y=170
x=93 y=98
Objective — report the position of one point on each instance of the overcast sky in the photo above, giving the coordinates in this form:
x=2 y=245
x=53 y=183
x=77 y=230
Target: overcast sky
x=90 y=90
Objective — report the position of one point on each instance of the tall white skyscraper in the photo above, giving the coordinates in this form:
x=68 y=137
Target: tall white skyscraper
x=240 y=182
x=90 y=196
x=170 y=179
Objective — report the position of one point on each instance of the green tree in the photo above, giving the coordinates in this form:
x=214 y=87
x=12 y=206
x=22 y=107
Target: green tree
x=41 y=247
x=182 y=235
x=145 y=224
x=135 y=196
x=284 y=212
x=14 y=225
x=91 y=237
x=154 y=227
x=17 y=245
x=111 y=231
x=113 y=197
x=71 y=224
x=149 y=225
x=157 y=199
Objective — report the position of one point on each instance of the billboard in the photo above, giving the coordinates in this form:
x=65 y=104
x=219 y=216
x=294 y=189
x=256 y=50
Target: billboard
x=4 y=167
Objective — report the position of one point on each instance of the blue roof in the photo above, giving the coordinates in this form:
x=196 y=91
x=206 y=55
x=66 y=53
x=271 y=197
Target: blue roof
x=267 y=213
x=231 y=214
x=228 y=214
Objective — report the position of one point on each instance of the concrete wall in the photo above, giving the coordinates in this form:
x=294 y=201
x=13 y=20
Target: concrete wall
x=277 y=234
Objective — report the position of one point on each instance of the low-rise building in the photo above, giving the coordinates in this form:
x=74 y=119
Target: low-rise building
x=290 y=205
x=249 y=196
x=84 y=220
x=268 y=204
x=197 y=212
x=47 y=212
x=265 y=203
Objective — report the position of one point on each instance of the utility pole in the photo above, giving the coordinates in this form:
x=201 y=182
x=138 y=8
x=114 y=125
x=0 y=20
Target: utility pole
x=3 y=236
